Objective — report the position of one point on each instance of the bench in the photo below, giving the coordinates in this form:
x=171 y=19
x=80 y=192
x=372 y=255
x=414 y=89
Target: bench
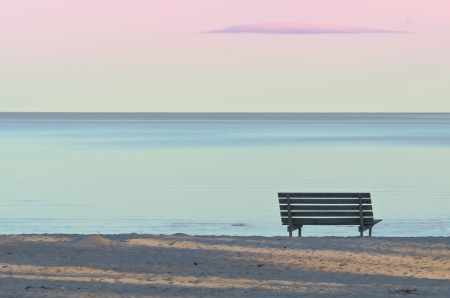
x=299 y=209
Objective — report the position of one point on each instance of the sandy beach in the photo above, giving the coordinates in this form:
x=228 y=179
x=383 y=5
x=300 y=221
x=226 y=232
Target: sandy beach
x=133 y=265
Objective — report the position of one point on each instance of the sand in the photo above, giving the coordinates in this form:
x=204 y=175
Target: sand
x=135 y=265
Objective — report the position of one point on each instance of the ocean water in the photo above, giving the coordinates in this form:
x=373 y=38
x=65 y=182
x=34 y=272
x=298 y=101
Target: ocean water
x=218 y=174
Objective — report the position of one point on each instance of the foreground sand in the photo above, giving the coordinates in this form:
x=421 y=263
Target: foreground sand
x=183 y=266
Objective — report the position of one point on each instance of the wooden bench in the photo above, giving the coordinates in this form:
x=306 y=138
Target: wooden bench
x=299 y=209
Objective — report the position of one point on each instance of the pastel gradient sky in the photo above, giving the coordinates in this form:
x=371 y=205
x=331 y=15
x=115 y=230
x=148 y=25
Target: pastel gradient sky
x=177 y=56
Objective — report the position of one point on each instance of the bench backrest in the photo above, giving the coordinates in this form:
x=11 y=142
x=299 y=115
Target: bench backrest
x=326 y=209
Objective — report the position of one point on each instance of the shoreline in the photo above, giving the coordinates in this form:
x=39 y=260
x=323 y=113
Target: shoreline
x=146 y=265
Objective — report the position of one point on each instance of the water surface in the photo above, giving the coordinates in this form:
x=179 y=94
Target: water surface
x=218 y=174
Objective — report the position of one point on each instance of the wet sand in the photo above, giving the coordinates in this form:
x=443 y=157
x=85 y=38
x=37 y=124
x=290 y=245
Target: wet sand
x=132 y=265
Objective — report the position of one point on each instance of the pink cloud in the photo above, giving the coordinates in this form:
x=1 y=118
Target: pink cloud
x=300 y=28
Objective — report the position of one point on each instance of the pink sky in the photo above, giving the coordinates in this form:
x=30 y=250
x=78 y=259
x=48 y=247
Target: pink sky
x=149 y=55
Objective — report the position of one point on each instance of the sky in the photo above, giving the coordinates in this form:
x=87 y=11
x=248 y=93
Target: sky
x=225 y=56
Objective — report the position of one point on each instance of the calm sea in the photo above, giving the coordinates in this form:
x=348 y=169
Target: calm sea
x=218 y=174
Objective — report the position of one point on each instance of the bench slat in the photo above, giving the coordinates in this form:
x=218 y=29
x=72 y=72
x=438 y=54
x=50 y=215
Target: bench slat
x=328 y=214
x=326 y=207
x=326 y=221
x=323 y=195
x=326 y=201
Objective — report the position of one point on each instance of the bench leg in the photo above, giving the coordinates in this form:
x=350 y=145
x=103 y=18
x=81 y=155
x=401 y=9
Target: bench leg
x=370 y=232
x=290 y=233
x=361 y=231
x=300 y=231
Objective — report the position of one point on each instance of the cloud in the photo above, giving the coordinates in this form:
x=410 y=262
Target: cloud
x=300 y=28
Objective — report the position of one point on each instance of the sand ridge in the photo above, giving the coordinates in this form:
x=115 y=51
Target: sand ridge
x=179 y=265
x=89 y=241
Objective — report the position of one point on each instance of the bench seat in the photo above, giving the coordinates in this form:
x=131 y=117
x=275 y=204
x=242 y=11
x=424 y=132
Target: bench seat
x=299 y=209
